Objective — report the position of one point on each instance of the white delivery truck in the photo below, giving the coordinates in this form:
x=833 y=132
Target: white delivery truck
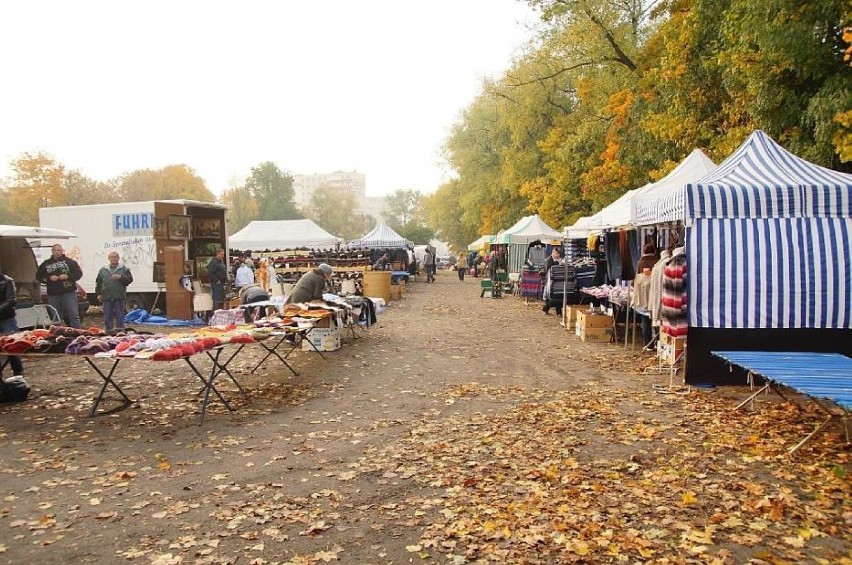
x=138 y=231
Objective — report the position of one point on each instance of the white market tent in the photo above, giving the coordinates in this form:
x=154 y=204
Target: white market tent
x=526 y=230
x=281 y=234
x=480 y=243
x=664 y=201
x=617 y=214
x=380 y=237
x=519 y=236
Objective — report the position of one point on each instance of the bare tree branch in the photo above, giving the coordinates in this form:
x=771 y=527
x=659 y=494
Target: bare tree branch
x=554 y=75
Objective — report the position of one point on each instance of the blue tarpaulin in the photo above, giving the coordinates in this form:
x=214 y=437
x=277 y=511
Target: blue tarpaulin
x=140 y=316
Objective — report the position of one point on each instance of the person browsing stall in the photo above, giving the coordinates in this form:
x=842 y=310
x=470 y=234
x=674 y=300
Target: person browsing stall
x=244 y=276
x=311 y=285
x=60 y=275
x=382 y=263
x=111 y=289
x=250 y=294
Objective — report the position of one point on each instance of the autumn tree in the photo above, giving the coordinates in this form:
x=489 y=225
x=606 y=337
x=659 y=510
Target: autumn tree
x=81 y=190
x=38 y=182
x=273 y=191
x=242 y=207
x=169 y=183
x=336 y=212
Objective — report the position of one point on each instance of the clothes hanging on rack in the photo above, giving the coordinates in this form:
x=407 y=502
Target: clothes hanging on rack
x=561 y=280
x=673 y=309
x=613 y=256
x=656 y=293
x=531 y=286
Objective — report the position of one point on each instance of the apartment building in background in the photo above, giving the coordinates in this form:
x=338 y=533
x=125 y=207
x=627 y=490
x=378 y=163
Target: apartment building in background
x=351 y=182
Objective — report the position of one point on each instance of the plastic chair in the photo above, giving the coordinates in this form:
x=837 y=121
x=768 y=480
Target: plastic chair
x=38 y=316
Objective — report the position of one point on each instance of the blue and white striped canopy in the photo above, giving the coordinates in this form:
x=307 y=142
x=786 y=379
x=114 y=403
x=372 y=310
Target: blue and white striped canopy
x=381 y=236
x=770 y=242
x=761 y=179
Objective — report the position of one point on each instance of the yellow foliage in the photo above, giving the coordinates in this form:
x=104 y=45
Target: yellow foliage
x=843 y=137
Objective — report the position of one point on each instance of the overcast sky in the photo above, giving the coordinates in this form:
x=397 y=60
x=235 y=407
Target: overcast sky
x=315 y=86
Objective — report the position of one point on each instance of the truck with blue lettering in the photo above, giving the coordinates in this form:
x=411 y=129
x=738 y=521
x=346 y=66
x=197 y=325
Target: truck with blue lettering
x=138 y=231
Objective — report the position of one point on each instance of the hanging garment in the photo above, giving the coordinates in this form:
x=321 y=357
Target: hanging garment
x=673 y=309
x=656 y=294
x=628 y=272
x=613 y=256
x=592 y=242
x=641 y=292
x=531 y=286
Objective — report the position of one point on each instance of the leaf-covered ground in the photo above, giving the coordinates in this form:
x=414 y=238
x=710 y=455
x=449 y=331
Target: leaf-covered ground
x=459 y=430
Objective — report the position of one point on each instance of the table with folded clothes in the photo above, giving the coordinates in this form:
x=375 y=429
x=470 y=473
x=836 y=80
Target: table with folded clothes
x=93 y=344
x=306 y=316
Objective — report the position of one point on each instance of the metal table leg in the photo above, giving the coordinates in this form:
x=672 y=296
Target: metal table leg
x=107 y=381
x=270 y=351
x=209 y=383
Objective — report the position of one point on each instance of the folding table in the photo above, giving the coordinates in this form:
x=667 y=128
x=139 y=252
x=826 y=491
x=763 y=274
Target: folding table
x=278 y=338
x=819 y=376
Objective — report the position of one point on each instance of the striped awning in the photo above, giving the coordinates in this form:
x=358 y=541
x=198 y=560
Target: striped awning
x=381 y=236
x=761 y=179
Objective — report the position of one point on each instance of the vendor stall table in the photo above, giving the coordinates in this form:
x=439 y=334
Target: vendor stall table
x=292 y=337
x=107 y=374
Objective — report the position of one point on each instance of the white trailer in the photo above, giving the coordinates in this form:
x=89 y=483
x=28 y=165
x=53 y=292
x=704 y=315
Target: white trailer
x=128 y=228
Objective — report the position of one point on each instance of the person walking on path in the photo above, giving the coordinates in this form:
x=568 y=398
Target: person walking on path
x=461 y=265
x=60 y=275
x=111 y=289
x=218 y=273
x=429 y=265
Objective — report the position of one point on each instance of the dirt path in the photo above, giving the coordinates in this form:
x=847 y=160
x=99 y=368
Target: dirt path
x=457 y=430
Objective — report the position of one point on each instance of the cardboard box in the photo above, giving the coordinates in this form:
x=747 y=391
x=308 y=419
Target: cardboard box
x=571 y=316
x=325 y=339
x=599 y=335
x=670 y=349
x=589 y=321
x=395 y=291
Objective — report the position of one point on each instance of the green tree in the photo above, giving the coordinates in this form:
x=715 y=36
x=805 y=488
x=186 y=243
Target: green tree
x=405 y=212
x=335 y=211
x=273 y=192
x=443 y=211
x=242 y=208
x=37 y=183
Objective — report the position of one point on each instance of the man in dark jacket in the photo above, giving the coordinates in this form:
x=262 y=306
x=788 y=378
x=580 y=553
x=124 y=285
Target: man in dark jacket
x=60 y=275
x=311 y=285
x=218 y=273
x=8 y=323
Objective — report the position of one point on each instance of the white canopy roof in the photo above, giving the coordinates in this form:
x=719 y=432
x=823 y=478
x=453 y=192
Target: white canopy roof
x=480 y=243
x=583 y=227
x=381 y=236
x=282 y=234
x=526 y=230
x=664 y=200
